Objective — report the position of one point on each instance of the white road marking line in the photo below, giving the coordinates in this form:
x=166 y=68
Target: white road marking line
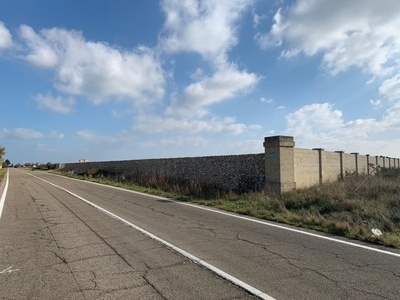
x=3 y=196
x=245 y=218
x=9 y=270
x=195 y=259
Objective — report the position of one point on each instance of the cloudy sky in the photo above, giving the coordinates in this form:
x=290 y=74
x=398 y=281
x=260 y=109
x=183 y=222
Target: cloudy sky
x=113 y=80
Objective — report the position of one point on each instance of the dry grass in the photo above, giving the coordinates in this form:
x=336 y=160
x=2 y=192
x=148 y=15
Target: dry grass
x=3 y=172
x=177 y=188
x=335 y=208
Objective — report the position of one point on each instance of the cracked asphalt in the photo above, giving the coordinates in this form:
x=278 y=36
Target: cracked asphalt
x=54 y=246
x=61 y=246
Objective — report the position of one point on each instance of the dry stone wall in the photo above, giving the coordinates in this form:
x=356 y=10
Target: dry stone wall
x=240 y=173
x=280 y=168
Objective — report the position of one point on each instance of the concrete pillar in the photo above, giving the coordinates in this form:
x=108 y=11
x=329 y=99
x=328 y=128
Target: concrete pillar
x=377 y=160
x=383 y=161
x=320 y=153
x=341 y=163
x=356 y=160
x=367 y=155
x=279 y=164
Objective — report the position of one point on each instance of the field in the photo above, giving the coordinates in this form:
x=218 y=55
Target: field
x=351 y=207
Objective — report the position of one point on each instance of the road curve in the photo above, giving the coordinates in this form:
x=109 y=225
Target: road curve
x=282 y=262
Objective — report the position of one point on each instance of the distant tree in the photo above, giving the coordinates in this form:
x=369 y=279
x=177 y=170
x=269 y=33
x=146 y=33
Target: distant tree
x=7 y=162
x=2 y=152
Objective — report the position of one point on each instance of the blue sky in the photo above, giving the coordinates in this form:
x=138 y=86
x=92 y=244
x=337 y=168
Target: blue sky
x=115 y=80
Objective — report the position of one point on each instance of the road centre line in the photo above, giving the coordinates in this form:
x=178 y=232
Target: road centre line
x=3 y=196
x=245 y=218
x=193 y=258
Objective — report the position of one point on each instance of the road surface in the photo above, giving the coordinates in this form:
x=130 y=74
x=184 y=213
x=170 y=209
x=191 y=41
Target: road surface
x=58 y=240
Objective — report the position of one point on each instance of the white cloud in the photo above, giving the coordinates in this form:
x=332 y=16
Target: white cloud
x=257 y=18
x=320 y=115
x=391 y=87
x=58 y=104
x=157 y=124
x=5 y=37
x=392 y=118
x=265 y=100
x=208 y=28
x=270 y=132
x=249 y=146
x=41 y=52
x=205 y=27
x=56 y=135
x=360 y=33
x=375 y=103
x=95 y=70
x=319 y=124
x=146 y=144
x=180 y=141
x=90 y=136
x=281 y=107
x=224 y=84
x=371 y=80
x=20 y=133
x=322 y=119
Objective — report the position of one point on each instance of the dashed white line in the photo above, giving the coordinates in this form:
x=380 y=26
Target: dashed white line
x=195 y=259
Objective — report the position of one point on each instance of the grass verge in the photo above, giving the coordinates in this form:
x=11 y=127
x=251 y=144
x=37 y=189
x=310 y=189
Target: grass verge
x=351 y=207
x=2 y=174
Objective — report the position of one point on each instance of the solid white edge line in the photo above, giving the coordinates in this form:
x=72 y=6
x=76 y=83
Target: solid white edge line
x=247 y=219
x=193 y=258
x=3 y=196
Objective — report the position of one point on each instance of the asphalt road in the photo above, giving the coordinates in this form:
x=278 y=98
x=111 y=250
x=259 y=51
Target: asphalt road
x=53 y=245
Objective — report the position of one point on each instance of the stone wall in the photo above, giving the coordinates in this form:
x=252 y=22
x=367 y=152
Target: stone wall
x=282 y=167
x=349 y=163
x=312 y=167
x=240 y=173
x=331 y=166
x=306 y=166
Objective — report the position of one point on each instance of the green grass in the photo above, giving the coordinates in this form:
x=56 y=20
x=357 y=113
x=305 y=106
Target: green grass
x=335 y=208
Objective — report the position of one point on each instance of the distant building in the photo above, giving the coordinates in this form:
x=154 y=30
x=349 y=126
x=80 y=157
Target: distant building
x=85 y=160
